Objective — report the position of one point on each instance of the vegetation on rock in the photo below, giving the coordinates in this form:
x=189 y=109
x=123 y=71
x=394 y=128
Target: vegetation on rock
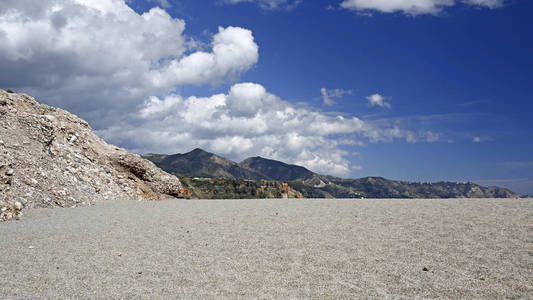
x=223 y=188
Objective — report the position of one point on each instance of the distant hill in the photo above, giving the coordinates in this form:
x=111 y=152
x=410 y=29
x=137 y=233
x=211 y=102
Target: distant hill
x=276 y=170
x=378 y=187
x=199 y=163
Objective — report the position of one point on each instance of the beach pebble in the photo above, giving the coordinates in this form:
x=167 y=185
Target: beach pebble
x=18 y=205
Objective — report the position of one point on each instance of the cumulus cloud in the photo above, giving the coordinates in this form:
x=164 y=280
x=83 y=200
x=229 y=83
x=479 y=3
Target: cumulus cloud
x=248 y=121
x=329 y=95
x=476 y=139
x=122 y=71
x=413 y=7
x=233 y=52
x=99 y=58
x=378 y=100
x=269 y=4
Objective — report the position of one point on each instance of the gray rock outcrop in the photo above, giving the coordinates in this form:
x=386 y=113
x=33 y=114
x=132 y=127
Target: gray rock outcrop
x=49 y=157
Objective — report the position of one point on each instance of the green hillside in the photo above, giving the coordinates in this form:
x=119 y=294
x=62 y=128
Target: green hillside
x=208 y=175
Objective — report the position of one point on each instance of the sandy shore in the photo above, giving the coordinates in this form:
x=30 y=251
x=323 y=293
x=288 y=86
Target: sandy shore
x=271 y=249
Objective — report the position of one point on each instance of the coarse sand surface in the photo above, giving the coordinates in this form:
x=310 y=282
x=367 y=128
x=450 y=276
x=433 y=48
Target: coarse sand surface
x=458 y=248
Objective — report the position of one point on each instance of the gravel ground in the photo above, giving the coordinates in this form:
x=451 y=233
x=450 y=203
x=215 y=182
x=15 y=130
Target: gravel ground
x=271 y=249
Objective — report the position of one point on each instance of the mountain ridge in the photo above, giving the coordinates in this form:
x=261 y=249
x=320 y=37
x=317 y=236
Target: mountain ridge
x=200 y=163
x=314 y=185
x=276 y=170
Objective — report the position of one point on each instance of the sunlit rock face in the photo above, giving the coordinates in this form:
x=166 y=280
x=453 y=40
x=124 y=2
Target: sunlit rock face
x=49 y=157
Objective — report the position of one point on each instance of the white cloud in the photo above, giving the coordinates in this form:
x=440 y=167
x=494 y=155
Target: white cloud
x=234 y=52
x=162 y=3
x=486 y=3
x=431 y=137
x=412 y=7
x=378 y=100
x=101 y=58
x=122 y=71
x=269 y=4
x=425 y=136
x=248 y=121
x=479 y=139
x=329 y=95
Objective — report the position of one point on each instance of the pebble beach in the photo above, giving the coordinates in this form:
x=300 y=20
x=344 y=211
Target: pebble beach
x=338 y=249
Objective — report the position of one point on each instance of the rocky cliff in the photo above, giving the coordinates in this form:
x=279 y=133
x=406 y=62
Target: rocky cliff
x=49 y=157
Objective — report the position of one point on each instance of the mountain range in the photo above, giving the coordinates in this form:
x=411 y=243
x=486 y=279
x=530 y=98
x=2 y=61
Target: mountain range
x=199 y=164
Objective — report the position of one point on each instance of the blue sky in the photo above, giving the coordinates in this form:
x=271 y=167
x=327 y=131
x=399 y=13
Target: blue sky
x=451 y=81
